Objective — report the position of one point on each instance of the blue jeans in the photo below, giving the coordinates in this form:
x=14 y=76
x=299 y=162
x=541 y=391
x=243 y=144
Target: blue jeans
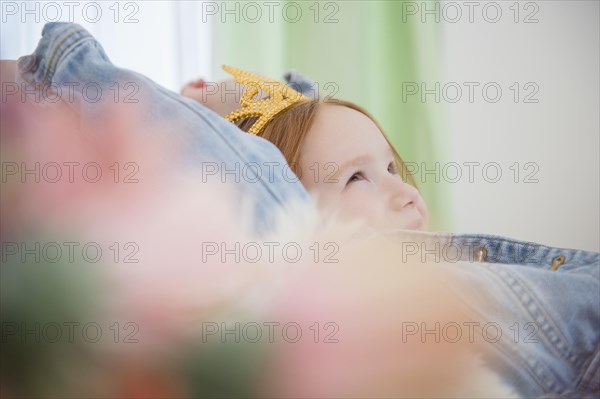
x=545 y=311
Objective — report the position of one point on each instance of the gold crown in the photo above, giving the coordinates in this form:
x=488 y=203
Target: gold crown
x=280 y=98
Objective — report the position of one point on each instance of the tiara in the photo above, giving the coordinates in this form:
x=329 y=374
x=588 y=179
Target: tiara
x=280 y=98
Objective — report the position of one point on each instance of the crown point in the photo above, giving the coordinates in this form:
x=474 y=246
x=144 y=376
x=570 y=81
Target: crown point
x=280 y=98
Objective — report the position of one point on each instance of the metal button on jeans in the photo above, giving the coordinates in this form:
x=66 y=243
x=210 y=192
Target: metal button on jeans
x=480 y=254
x=557 y=262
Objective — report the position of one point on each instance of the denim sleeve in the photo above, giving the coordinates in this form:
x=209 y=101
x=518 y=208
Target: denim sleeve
x=67 y=55
x=544 y=325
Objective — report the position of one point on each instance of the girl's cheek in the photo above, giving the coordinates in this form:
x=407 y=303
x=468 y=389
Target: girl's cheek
x=359 y=204
x=324 y=198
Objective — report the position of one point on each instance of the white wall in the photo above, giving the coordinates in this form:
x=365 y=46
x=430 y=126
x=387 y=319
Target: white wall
x=560 y=133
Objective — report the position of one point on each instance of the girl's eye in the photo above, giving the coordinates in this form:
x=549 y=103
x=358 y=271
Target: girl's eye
x=355 y=177
x=393 y=168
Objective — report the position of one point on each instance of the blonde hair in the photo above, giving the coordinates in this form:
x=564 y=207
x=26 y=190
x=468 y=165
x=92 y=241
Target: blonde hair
x=288 y=130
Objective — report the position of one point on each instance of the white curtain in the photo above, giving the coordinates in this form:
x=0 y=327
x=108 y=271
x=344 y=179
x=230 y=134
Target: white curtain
x=165 y=40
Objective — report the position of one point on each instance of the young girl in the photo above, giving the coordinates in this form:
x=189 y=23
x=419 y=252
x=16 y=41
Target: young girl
x=538 y=305
x=345 y=160
x=338 y=151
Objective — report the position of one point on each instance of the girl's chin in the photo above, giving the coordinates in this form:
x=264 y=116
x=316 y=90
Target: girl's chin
x=409 y=220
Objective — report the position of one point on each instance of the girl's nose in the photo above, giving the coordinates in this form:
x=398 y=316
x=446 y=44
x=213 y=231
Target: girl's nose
x=401 y=194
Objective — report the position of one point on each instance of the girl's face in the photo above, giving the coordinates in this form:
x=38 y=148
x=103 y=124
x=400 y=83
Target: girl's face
x=347 y=164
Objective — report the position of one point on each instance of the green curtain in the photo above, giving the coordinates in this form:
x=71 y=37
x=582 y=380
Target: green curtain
x=365 y=50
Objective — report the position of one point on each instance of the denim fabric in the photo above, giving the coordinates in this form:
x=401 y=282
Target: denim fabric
x=302 y=84
x=67 y=54
x=549 y=319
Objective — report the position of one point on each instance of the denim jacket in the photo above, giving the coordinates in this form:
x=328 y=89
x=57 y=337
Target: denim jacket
x=69 y=56
x=542 y=307
x=547 y=300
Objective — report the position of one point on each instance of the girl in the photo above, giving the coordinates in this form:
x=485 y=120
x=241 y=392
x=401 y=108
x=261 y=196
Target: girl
x=370 y=183
x=540 y=302
x=338 y=151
